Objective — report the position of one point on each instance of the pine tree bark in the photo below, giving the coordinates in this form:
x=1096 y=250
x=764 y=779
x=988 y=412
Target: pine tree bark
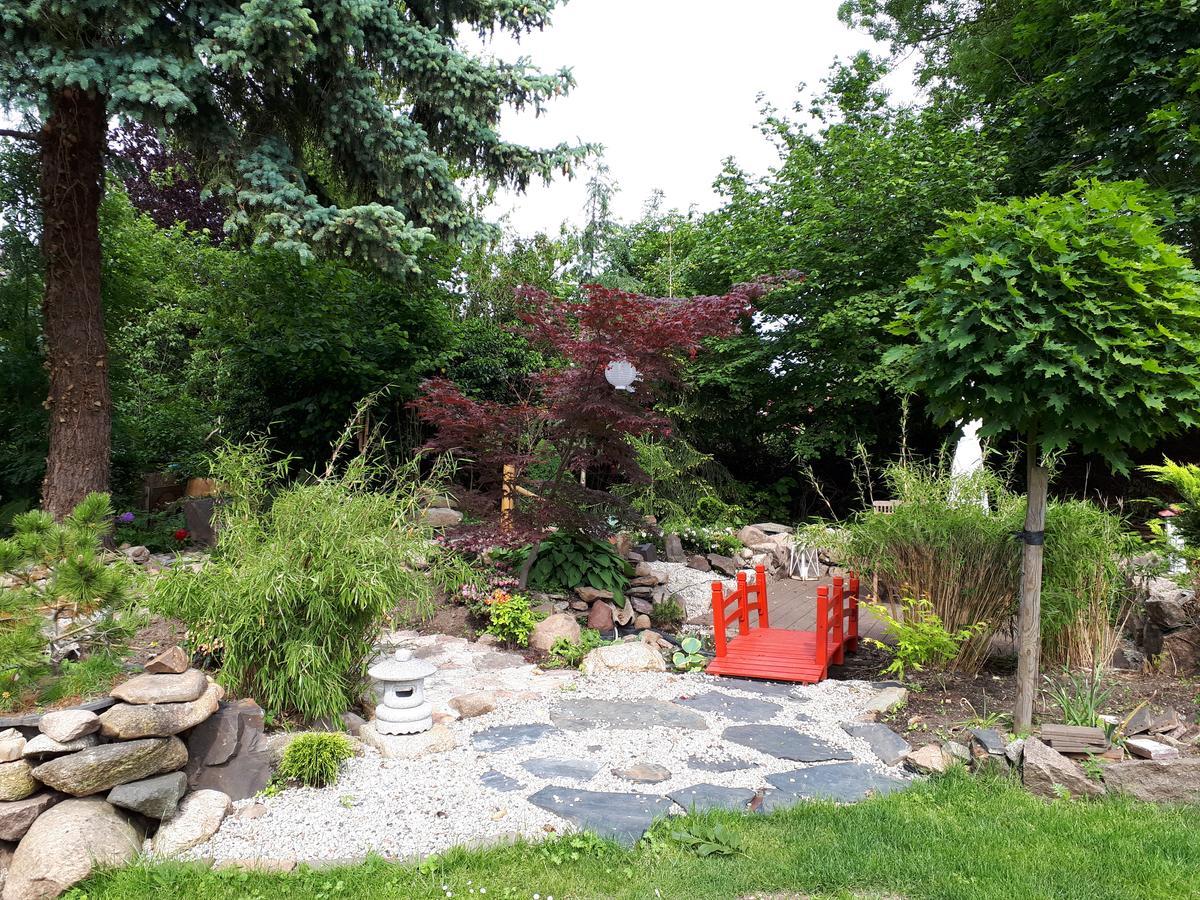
x=73 y=140
x=1029 y=616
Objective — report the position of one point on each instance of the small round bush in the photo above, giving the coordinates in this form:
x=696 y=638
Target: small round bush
x=314 y=759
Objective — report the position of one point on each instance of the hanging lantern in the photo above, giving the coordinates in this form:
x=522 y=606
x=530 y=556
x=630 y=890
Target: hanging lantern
x=621 y=374
x=404 y=709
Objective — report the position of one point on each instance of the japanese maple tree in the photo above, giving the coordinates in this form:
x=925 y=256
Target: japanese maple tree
x=574 y=419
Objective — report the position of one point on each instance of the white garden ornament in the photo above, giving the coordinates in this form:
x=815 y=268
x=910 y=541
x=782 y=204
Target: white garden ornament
x=404 y=709
x=621 y=374
x=968 y=459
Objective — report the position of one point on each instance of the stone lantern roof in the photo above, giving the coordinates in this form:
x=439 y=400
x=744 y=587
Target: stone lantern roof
x=401 y=667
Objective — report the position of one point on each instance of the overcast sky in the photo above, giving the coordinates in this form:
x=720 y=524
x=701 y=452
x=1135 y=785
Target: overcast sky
x=669 y=87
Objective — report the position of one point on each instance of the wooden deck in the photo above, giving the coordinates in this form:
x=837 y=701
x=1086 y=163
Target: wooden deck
x=794 y=606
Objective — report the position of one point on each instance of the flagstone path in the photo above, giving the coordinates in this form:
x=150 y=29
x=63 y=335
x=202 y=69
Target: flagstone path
x=607 y=754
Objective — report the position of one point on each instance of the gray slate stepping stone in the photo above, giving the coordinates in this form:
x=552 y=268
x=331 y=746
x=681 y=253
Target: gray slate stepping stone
x=622 y=817
x=842 y=782
x=498 y=781
x=766 y=688
x=702 y=797
x=644 y=773
x=740 y=709
x=784 y=743
x=505 y=737
x=718 y=765
x=556 y=767
x=885 y=743
x=582 y=713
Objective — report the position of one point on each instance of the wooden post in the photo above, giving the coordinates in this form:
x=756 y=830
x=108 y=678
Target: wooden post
x=760 y=586
x=743 y=604
x=718 y=605
x=821 y=638
x=1029 y=619
x=852 y=632
x=839 y=593
x=508 y=498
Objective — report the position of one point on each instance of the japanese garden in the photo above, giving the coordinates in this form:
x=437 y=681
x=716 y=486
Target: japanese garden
x=781 y=481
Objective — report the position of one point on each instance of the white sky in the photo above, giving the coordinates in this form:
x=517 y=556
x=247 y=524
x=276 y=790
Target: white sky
x=669 y=87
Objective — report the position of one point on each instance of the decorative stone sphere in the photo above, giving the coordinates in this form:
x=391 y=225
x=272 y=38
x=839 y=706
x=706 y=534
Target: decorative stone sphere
x=404 y=709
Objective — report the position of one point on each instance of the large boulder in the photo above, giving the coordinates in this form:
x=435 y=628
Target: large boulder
x=66 y=725
x=129 y=721
x=16 y=780
x=634 y=656
x=194 y=822
x=43 y=745
x=227 y=752
x=550 y=629
x=1168 y=605
x=600 y=616
x=724 y=564
x=155 y=797
x=12 y=745
x=1181 y=651
x=65 y=844
x=170 y=662
x=442 y=517
x=750 y=536
x=592 y=595
x=1047 y=773
x=1156 y=780
x=16 y=816
x=164 y=688
x=673 y=548
x=102 y=768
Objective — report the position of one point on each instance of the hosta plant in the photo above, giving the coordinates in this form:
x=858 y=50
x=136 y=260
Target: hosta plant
x=689 y=657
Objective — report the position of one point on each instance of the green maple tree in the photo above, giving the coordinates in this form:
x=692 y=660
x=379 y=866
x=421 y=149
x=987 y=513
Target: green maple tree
x=1066 y=320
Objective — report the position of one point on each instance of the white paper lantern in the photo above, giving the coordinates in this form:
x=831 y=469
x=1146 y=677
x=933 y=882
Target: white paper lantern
x=621 y=374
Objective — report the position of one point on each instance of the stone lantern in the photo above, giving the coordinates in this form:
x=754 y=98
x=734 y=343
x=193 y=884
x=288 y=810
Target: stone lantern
x=404 y=709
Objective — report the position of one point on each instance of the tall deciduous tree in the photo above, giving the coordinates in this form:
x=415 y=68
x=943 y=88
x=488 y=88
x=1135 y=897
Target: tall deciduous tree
x=325 y=125
x=1104 y=88
x=1067 y=321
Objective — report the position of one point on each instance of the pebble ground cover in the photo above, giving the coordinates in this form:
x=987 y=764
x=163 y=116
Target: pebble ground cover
x=946 y=839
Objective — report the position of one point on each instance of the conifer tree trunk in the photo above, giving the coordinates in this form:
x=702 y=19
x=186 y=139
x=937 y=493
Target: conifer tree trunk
x=79 y=405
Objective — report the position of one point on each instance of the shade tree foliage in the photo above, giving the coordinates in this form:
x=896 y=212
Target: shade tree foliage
x=1067 y=321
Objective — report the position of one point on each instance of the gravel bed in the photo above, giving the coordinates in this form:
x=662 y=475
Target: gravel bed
x=404 y=808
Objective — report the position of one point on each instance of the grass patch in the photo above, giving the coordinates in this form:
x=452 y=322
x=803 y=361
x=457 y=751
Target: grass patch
x=954 y=837
x=83 y=679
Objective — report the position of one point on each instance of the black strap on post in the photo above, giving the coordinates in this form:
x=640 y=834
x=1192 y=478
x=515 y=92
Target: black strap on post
x=1034 y=538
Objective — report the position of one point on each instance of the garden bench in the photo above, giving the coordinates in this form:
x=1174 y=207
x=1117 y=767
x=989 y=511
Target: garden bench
x=782 y=654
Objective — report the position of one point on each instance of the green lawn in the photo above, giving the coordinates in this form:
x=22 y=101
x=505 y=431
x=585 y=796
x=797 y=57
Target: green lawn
x=953 y=838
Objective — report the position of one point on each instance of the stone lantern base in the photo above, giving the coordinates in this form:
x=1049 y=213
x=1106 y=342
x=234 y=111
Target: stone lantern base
x=390 y=720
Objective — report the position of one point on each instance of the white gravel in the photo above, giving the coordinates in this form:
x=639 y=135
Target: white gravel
x=402 y=808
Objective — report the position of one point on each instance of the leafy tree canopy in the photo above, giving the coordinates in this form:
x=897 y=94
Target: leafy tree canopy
x=1098 y=88
x=1068 y=320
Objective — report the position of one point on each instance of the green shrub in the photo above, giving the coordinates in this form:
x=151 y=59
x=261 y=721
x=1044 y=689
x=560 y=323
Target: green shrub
x=1079 y=698
x=1083 y=586
x=1185 y=481
x=567 y=560
x=667 y=615
x=679 y=485
x=315 y=759
x=81 y=588
x=302 y=577
x=568 y=654
x=89 y=677
x=920 y=640
x=942 y=545
x=510 y=618
x=689 y=658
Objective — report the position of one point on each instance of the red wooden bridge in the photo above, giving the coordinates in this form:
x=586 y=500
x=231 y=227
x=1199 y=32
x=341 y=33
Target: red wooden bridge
x=782 y=654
